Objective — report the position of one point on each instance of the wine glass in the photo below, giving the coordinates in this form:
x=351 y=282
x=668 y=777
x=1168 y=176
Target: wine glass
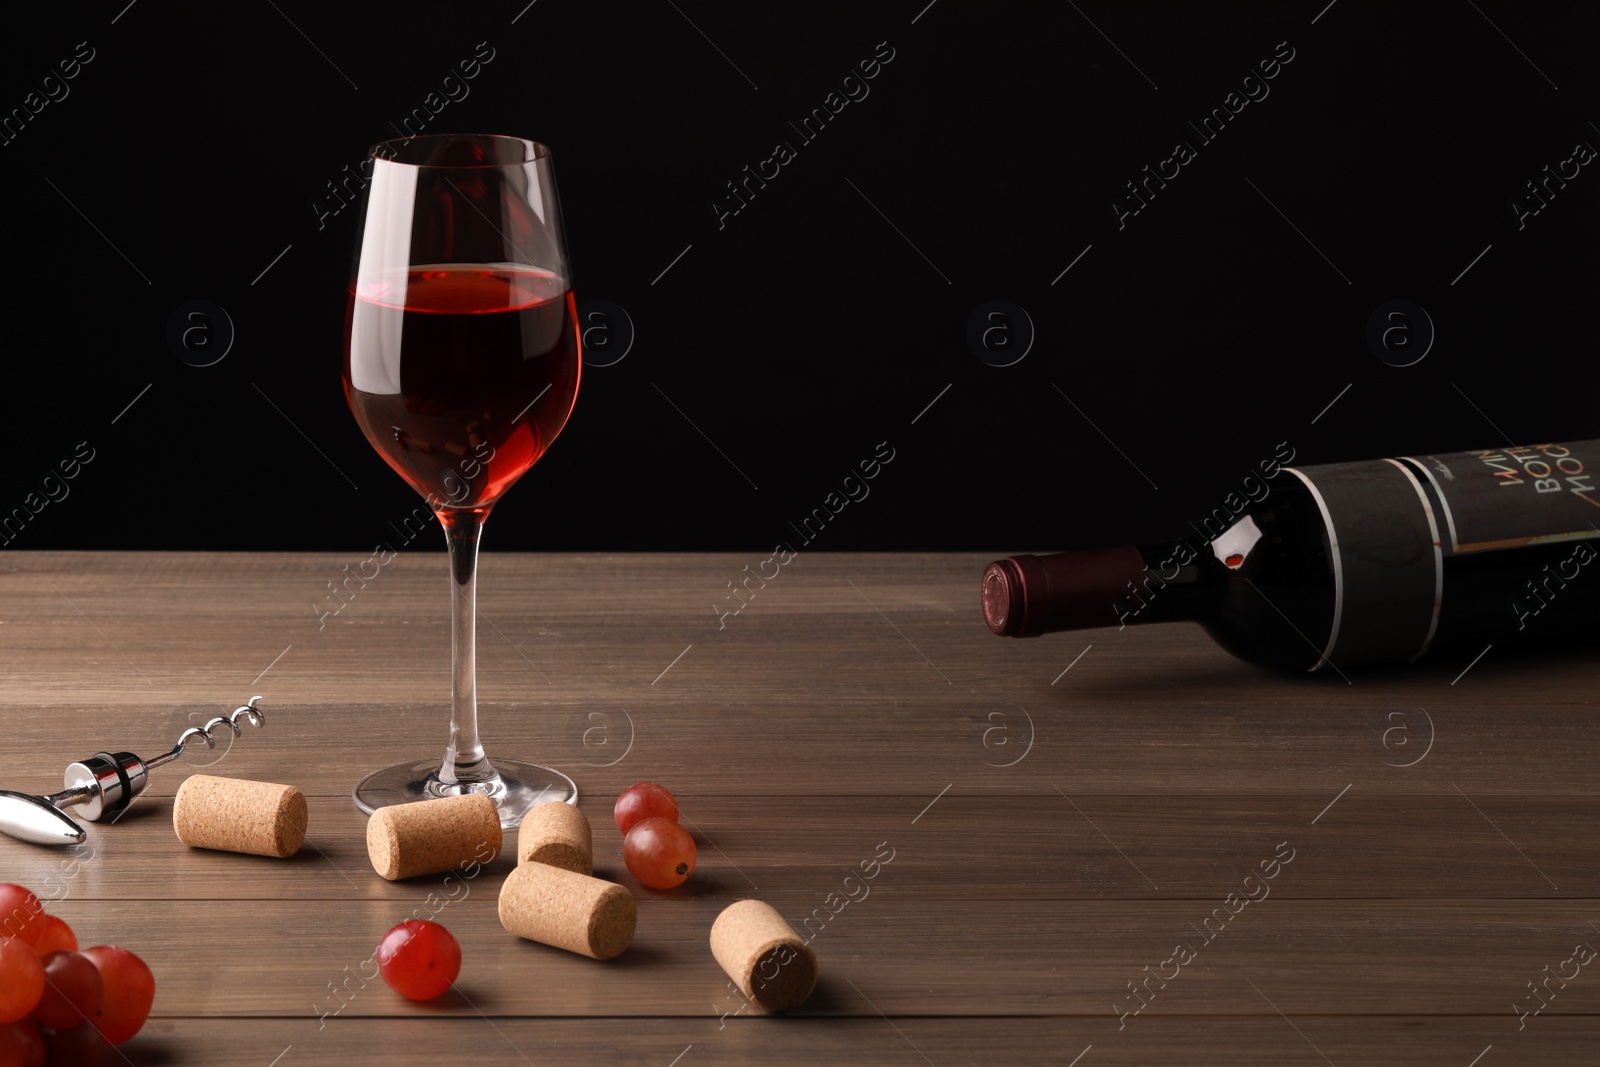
x=461 y=365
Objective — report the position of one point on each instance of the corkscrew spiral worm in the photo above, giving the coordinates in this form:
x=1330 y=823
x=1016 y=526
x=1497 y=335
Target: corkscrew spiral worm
x=247 y=711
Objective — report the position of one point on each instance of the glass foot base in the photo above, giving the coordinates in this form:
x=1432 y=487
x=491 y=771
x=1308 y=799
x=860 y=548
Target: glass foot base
x=515 y=787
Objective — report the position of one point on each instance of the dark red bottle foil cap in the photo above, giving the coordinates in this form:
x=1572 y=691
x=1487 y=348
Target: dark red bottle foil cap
x=1024 y=596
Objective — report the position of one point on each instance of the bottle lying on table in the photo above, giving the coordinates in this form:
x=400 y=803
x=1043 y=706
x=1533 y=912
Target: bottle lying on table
x=1345 y=564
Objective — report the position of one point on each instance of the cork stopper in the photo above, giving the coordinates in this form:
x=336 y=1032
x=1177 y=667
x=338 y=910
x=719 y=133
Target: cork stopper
x=557 y=834
x=430 y=836
x=767 y=960
x=235 y=815
x=572 y=911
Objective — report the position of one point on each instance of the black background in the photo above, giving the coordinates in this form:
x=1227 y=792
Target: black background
x=826 y=316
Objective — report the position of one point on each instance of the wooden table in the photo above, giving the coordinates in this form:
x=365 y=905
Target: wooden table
x=1063 y=813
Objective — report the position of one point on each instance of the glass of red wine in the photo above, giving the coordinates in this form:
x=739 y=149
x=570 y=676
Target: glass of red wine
x=461 y=365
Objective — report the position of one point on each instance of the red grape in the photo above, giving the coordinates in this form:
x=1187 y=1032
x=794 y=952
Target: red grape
x=21 y=1045
x=73 y=991
x=21 y=980
x=645 y=800
x=57 y=937
x=658 y=852
x=21 y=914
x=130 y=989
x=81 y=1046
x=419 y=959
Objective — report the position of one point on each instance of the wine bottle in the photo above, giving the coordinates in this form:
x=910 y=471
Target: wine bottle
x=1337 y=565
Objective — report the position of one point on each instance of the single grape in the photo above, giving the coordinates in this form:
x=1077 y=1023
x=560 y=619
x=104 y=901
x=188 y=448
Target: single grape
x=73 y=991
x=130 y=989
x=419 y=959
x=645 y=800
x=81 y=1046
x=21 y=980
x=658 y=852
x=21 y=1045
x=21 y=914
x=57 y=937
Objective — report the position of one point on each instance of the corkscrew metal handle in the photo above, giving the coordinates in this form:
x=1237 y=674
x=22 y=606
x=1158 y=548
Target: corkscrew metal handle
x=30 y=818
x=103 y=784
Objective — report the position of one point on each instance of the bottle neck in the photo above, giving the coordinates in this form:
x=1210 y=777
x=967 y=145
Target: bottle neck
x=1175 y=584
x=1026 y=595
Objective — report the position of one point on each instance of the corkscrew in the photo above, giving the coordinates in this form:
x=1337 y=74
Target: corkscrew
x=103 y=785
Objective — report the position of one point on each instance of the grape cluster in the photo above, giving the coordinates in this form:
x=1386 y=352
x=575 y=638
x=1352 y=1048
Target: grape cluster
x=60 y=1006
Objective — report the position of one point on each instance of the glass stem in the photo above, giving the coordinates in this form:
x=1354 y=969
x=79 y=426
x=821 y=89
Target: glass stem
x=464 y=760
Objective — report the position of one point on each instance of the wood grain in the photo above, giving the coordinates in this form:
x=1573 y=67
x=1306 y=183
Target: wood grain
x=1062 y=813
x=1036 y=847
x=973 y=1041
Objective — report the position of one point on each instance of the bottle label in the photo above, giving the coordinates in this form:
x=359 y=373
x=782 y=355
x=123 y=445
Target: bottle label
x=1507 y=497
x=1388 y=572
x=1392 y=522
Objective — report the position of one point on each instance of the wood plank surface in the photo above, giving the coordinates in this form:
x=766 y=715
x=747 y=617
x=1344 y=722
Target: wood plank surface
x=907 y=957
x=1063 y=813
x=1173 y=847
x=973 y=1041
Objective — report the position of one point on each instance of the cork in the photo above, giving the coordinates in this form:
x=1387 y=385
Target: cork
x=767 y=960
x=558 y=834
x=430 y=836
x=235 y=815
x=568 y=910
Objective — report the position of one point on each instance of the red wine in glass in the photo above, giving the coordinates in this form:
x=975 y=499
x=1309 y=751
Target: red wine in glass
x=461 y=365
x=461 y=431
